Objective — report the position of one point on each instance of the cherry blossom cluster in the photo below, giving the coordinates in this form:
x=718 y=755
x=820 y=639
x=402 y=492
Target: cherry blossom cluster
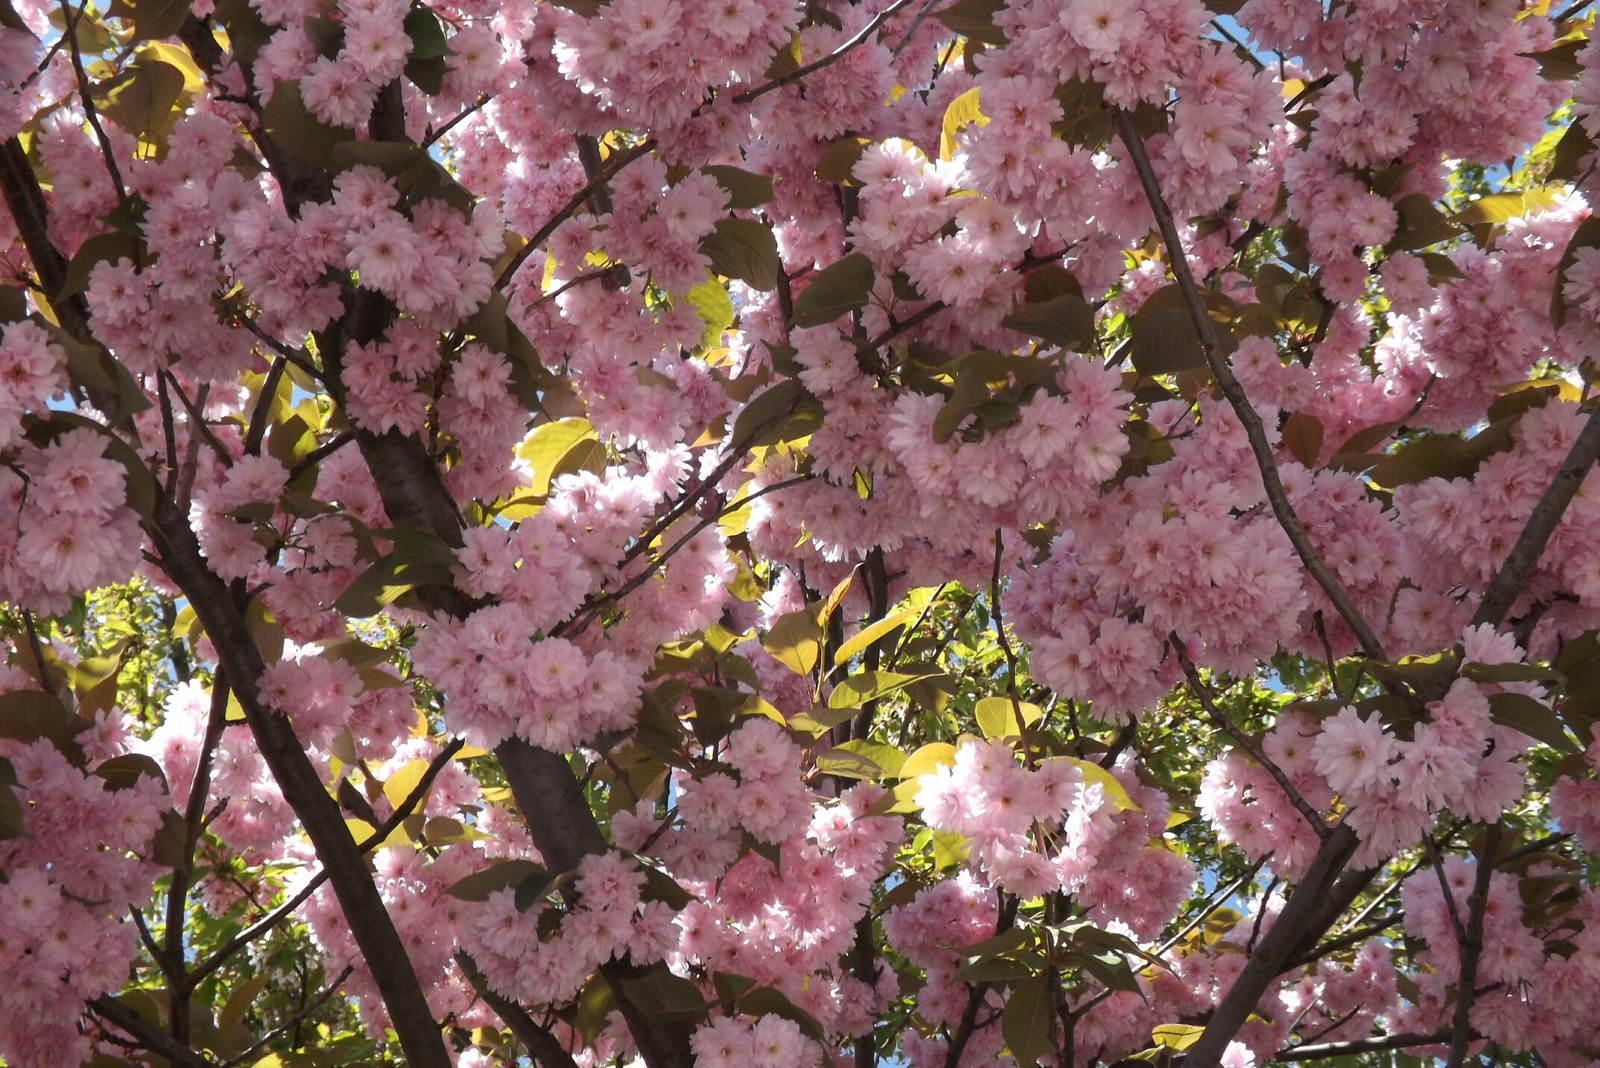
x=1537 y=992
x=64 y=520
x=786 y=922
x=70 y=880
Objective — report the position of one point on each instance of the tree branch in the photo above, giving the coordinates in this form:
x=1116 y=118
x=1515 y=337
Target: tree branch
x=1202 y=694
x=1310 y=910
x=1365 y=1045
x=302 y=785
x=546 y=1051
x=1277 y=496
x=1471 y=948
x=149 y=1035
x=1511 y=580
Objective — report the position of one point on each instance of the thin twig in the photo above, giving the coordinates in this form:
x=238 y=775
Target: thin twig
x=1277 y=496
x=856 y=40
x=1202 y=694
x=300 y=1015
x=542 y=1043
x=276 y=916
x=617 y=161
x=86 y=92
x=1211 y=905
x=434 y=135
x=1512 y=578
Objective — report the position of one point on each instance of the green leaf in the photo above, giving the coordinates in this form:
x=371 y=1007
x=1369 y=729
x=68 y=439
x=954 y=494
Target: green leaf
x=663 y=996
x=785 y=412
x=861 y=759
x=1164 y=338
x=1094 y=775
x=997 y=717
x=102 y=247
x=1498 y=207
x=1028 y=1020
x=1110 y=968
x=768 y=1001
x=546 y=449
x=390 y=157
x=294 y=129
x=839 y=159
x=857 y=690
x=11 y=825
x=386 y=581
x=1532 y=717
x=498 y=876
x=121 y=772
x=795 y=641
x=659 y=886
x=1587 y=235
x=746 y=250
x=28 y=715
x=167 y=847
x=949 y=849
x=158 y=18
x=1421 y=224
x=1065 y=321
x=974 y=20
x=838 y=289
x=144 y=101
x=711 y=302
x=427 y=35
x=1442 y=456
x=878 y=631
x=745 y=190
x=1302 y=436
x=971 y=392
x=232 y=1014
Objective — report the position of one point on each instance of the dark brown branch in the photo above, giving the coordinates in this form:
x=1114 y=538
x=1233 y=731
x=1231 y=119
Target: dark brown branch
x=302 y=786
x=1310 y=910
x=1234 y=392
x=377 y=838
x=149 y=1035
x=258 y=413
x=542 y=1044
x=1364 y=1045
x=1512 y=577
x=856 y=40
x=618 y=161
x=86 y=93
x=1471 y=949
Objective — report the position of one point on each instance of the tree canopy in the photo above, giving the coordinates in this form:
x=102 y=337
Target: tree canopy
x=788 y=533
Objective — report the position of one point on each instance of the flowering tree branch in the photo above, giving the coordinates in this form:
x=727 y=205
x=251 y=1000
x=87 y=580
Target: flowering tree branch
x=1234 y=392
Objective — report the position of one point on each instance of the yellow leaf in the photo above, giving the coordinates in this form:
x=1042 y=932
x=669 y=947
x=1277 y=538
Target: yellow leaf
x=962 y=112
x=1094 y=775
x=928 y=759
